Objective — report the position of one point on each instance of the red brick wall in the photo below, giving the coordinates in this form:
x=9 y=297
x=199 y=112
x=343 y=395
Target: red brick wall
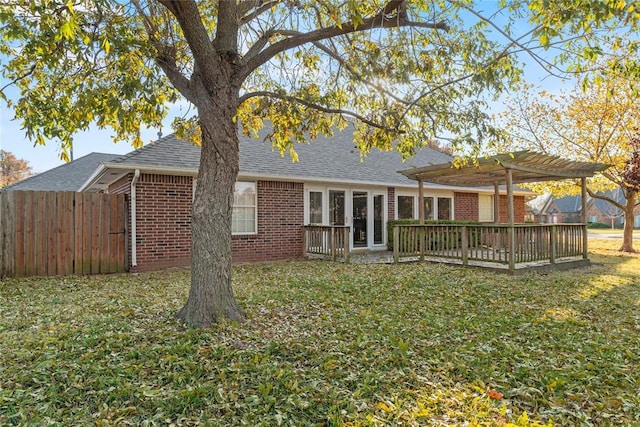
x=163 y=224
x=465 y=206
x=519 y=209
x=280 y=219
x=391 y=203
x=121 y=186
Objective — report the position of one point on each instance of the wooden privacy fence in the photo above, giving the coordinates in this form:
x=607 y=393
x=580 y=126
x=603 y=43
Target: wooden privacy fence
x=62 y=233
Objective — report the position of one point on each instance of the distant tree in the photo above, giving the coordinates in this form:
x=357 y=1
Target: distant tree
x=12 y=169
x=597 y=125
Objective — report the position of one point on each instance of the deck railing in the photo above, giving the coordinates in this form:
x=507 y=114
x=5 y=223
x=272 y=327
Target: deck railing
x=502 y=244
x=327 y=240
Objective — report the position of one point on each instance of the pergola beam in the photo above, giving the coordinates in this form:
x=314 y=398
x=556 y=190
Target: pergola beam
x=556 y=173
x=526 y=167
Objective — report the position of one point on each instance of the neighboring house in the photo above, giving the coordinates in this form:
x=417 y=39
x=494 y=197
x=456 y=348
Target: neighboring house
x=568 y=209
x=66 y=177
x=330 y=184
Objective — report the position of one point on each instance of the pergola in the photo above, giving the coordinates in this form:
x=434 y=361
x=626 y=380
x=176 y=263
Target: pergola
x=508 y=169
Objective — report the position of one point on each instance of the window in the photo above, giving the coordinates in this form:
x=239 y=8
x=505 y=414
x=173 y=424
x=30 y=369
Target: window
x=593 y=218
x=428 y=208
x=378 y=219
x=244 y=216
x=315 y=207
x=444 y=208
x=336 y=207
x=405 y=207
x=485 y=208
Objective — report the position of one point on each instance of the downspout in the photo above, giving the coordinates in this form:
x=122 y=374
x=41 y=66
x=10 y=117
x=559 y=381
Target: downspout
x=134 y=181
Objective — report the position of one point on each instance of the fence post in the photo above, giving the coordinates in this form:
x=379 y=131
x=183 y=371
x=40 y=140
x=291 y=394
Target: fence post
x=465 y=245
x=422 y=235
x=8 y=213
x=552 y=249
x=347 y=254
x=396 y=243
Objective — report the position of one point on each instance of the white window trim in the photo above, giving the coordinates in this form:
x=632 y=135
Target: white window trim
x=451 y=208
x=385 y=219
x=415 y=205
x=255 y=206
x=491 y=207
x=307 y=204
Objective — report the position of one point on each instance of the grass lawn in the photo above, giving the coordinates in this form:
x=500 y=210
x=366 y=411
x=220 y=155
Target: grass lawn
x=329 y=344
x=613 y=231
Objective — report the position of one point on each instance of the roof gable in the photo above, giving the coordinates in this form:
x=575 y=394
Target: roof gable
x=66 y=177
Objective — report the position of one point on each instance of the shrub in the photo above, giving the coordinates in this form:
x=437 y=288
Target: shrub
x=598 y=225
x=392 y=223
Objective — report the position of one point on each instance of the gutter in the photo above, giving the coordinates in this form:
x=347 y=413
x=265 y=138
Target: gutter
x=134 y=181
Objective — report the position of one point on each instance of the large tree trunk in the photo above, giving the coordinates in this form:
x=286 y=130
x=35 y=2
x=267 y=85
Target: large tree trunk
x=211 y=295
x=627 y=235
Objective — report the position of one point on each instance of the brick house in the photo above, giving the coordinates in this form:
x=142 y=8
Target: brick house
x=330 y=184
x=561 y=210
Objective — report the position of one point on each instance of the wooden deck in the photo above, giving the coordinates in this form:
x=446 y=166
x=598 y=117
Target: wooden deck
x=512 y=249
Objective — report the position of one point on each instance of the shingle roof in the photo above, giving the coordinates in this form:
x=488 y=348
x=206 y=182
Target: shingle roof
x=569 y=203
x=67 y=177
x=607 y=208
x=325 y=158
x=538 y=204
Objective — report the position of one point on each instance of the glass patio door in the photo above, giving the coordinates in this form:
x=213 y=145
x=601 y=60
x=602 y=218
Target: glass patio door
x=336 y=207
x=360 y=216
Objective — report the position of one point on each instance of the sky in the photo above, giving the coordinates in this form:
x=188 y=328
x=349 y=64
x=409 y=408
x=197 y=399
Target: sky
x=45 y=157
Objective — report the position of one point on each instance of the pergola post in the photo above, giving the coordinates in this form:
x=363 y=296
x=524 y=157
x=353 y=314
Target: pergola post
x=421 y=232
x=585 y=247
x=511 y=220
x=496 y=202
x=420 y=202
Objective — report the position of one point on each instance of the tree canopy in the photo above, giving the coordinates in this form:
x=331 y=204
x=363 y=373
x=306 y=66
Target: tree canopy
x=597 y=125
x=12 y=169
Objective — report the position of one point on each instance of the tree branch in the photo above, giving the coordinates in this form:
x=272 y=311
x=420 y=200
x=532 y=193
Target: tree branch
x=605 y=198
x=166 y=56
x=255 y=58
x=318 y=108
x=32 y=69
x=261 y=6
x=226 y=40
x=190 y=20
x=356 y=75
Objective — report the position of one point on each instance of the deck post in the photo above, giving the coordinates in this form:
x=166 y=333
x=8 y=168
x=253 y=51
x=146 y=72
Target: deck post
x=333 y=243
x=553 y=242
x=465 y=245
x=422 y=235
x=304 y=241
x=420 y=202
x=396 y=243
x=496 y=202
x=511 y=220
x=585 y=246
x=346 y=240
